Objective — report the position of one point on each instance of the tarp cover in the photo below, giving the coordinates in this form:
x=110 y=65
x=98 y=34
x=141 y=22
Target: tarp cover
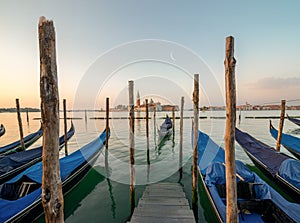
x=215 y=174
x=67 y=165
x=15 y=160
x=26 y=139
x=289 y=141
x=290 y=171
x=264 y=153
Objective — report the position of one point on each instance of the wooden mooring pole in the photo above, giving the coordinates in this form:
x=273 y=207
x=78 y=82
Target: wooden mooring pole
x=107 y=123
x=280 y=128
x=27 y=116
x=173 y=120
x=195 y=141
x=231 y=194
x=181 y=137
x=20 y=124
x=147 y=132
x=154 y=125
x=65 y=127
x=52 y=197
x=131 y=146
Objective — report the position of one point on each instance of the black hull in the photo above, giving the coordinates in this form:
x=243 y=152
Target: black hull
x=296 y=154
x=285 y=186
x=35 y=210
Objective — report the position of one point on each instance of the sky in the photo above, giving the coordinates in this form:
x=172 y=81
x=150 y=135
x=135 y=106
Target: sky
x=101 y=45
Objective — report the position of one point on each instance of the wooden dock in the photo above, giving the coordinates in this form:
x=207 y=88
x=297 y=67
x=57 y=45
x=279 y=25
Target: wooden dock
x=163 y=202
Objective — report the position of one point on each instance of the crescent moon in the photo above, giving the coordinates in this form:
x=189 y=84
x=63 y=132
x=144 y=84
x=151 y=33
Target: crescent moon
x=172 y=57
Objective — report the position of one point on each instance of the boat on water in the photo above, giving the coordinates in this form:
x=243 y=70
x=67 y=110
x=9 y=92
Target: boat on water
x=291 y=143
x=256 y=200
x=165 y=130
x=16 y=146
x=294 y=120
x=14 y=163
x=2 y=130
x=279 y=167
x=20 y=197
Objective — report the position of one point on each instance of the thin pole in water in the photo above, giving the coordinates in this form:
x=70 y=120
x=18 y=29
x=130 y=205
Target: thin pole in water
x=20 y=124
x=231 y=193
x=147 y=132
x=107 y=122
x=131 y=145
x=65 y=126
x=181 y=137
x=280 y=128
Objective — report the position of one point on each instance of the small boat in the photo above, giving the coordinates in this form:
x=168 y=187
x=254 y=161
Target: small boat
x=15 y=163
x=256 y=200
x=294 y=120
x=291 y=143
x=2 y=130
x=16 y=146
x=20 y=197
x=165 y=130
x=279 y=167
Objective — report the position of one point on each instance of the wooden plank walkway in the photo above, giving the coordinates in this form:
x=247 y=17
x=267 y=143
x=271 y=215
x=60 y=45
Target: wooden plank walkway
x=163 y=202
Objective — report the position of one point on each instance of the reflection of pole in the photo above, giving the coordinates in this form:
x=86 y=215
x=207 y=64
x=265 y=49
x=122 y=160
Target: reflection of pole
x=280 y=125
x=173 y=119
x=147 y=132
x=195 y=142
x=65 y=126
x=131 y=145
x=85 y=116
x=107 y=122
x=27 y=116
x=181 y=138
x=231 y=193
x=154 y=124
x=20 y=124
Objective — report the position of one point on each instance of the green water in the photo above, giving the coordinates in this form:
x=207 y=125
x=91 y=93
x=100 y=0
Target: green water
x=100 y=199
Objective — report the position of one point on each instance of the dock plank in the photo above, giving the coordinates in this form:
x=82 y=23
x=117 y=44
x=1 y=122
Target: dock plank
x=163 y=202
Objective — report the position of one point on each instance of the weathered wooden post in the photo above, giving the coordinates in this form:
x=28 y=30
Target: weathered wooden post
x=65 y=127
x=231 y=194
x=181 y=137
x=195 y=141
x=107 y=122
x=20 y=123
x=85 y=116
x=131 y=146
x=280 y=125
x=52 y=197
x=147 y=132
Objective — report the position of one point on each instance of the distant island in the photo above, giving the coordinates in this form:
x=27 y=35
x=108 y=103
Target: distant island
x=7 y=110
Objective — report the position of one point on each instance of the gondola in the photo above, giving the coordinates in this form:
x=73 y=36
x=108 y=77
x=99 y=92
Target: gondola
x=291 y=143
x=16 y=146
x=256 y=200
x=279 y=167
x=2 y=130
x=165 y=130
x=20 y=197
x=294 y=120
x=15 y=163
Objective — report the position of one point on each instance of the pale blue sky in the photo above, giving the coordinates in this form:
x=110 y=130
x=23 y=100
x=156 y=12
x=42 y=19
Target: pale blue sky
x=267 y=46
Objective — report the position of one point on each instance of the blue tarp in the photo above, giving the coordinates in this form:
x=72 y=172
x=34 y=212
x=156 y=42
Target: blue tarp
x=290 y=171
x=292 y=142
x=264 y=153
x=214 y=173
x=67 y=165
x=26 y=139
x=15 y=160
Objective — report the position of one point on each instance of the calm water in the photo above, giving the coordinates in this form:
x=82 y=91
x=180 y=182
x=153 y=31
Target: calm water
x=99 y=198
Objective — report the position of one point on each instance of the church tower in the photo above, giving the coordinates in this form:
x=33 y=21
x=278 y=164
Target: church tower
x=138 y=99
